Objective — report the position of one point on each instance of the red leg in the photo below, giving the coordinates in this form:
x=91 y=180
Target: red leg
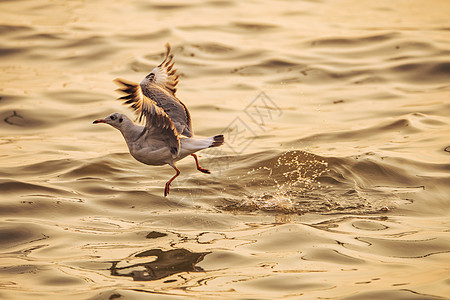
x=198 y=166
x=167 y=188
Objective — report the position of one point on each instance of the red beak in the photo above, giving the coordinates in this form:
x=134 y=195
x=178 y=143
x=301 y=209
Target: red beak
x=99 y=121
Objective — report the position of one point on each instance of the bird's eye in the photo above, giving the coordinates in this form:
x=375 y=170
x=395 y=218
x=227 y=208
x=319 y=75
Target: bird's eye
x=113 y=118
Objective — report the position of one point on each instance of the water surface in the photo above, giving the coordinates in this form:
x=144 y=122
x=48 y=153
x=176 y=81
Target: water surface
x=333 y=182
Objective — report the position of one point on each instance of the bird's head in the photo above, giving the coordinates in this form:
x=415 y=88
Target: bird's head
x=116 y=120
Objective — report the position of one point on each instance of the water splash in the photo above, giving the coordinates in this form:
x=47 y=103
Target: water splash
x=292 y=183
x=287 y=181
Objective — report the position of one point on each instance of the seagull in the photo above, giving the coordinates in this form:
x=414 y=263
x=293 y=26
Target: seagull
x=166 y=136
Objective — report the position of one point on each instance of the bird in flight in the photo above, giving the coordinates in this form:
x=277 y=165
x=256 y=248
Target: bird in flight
x=166 y=136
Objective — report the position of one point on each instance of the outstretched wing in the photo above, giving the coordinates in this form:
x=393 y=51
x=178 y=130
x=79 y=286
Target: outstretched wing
x=160 y=86
x=165 y=75
x=158 y=125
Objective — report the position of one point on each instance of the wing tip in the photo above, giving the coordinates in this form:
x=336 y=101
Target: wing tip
x=119 y=81
x=124 y=83
x=169 y=56
x=167 y=45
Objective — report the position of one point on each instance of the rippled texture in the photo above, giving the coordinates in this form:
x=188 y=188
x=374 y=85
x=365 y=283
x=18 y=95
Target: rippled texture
x=333 y=182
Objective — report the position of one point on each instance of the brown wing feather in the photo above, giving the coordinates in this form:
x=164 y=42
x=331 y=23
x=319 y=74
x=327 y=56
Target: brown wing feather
x=157 y=122
x=165 y=75
x=160 y=86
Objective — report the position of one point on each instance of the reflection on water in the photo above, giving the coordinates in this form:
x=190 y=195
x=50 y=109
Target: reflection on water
x=166 y=264
x=334 y=182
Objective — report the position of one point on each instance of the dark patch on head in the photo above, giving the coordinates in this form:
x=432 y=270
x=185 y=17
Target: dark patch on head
x=120 y=120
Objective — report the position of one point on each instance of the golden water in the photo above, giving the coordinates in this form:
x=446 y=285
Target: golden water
x=333 y=183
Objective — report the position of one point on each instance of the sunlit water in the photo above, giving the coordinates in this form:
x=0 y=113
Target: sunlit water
x=333 y=182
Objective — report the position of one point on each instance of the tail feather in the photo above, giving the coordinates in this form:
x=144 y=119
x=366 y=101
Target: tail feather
x=218 y=141
x=190 y=145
